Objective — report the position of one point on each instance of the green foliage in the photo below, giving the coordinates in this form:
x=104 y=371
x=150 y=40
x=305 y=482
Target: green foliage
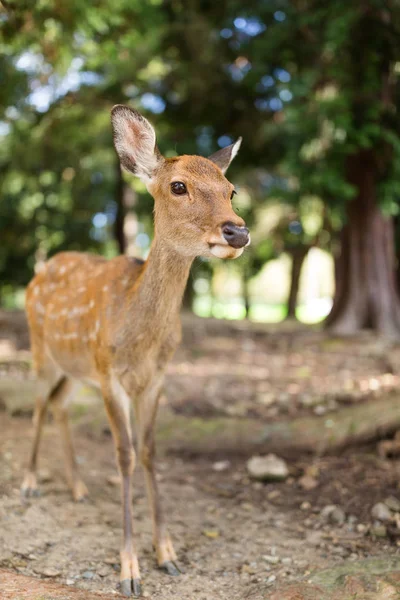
x=307 y=84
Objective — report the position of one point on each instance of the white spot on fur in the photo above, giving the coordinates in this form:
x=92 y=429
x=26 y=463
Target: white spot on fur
x=40 y=308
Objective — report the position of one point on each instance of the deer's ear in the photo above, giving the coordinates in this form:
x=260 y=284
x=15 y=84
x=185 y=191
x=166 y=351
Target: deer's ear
x=225 y=156
x=135 y=142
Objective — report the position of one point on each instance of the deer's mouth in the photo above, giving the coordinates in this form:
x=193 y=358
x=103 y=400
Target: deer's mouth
x=225 y=251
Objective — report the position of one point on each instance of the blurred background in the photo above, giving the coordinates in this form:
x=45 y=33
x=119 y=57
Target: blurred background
x=312 y=86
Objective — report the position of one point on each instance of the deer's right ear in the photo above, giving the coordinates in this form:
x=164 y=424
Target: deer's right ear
x=135 y=142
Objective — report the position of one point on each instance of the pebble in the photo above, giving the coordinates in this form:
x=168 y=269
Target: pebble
x=50 y=572
x=305 y=505
x=273 y=560
x=392 y=503
x=221 y=465
x=378 y=531
x=307 y=482
x=44 y=475
x=333 y=514
x=70 y=581
x=267 y=468
x=381 y=512
x=88 y=575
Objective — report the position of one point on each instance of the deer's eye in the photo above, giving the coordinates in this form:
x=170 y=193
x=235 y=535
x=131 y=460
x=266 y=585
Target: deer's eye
x=178 y=188
x=233 y=193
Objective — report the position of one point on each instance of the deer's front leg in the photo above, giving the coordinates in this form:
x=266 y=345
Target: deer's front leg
x=145 y=410
x=117 y=406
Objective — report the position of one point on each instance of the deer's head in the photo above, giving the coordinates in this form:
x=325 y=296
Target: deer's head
x=193 y=209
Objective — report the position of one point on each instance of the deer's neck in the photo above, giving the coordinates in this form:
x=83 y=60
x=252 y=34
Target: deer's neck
x=157 y=296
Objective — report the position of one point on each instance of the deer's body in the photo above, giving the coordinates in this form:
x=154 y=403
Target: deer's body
x=88 y=318
x=115 y=324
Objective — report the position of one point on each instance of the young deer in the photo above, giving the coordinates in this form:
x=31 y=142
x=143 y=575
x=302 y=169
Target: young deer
x=115 y=324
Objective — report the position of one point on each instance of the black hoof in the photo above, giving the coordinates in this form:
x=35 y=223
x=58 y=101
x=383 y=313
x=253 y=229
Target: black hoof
x=170 y=568
x=126 y=587
x=30 y=493
x=131 y=585
x=137 y=588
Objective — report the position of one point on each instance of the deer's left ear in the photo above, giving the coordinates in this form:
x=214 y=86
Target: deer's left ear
x=135 y=142
x=225 y=156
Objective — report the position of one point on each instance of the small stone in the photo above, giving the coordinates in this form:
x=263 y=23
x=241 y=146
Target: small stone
x=378 y=531
x=114 y=480
x=211 y=533
x=334 y=514
x=44 y=475
x=88 y=575
x=361 y=528
x=305 y=506
x=50 y=572
x=381 y=512
x=271 y=579
x=248 y=569
x=70 y=581
x=286 y=560
x=266 y=399
x=273 y=494
x=272 y=560
x=307 y=482
x=392 y=503
x=221 y=465
x=267 y=468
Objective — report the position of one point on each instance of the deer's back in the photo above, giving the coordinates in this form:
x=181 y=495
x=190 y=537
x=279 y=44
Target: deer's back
x=69 y=306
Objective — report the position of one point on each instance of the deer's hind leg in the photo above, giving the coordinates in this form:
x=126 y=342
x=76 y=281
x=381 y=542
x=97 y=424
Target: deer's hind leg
x=48 y=386
x=56 y=390
x=58 y=402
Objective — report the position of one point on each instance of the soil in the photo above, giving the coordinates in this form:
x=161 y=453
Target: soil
x=236 y=538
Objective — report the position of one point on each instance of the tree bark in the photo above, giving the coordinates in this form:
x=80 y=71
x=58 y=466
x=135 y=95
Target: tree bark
x=298 y=256
x=189 y=294
x=366 y=295
x=120 y=213
x=246 y=292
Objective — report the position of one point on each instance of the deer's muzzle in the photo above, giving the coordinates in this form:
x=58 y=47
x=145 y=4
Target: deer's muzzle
x=237 y=237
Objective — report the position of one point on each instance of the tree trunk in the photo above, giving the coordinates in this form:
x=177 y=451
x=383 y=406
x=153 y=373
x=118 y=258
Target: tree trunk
x=188 y=296
x=120 y=213
x=298 y=256
x=366 y=294
x=246 y=292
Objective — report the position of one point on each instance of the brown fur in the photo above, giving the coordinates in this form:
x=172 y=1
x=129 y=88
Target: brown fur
x=115 y=324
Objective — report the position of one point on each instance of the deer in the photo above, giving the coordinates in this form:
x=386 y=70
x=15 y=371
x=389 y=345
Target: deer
x=114 y=324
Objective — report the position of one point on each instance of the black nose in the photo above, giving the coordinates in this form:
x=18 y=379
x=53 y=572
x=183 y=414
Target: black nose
x=237 y=237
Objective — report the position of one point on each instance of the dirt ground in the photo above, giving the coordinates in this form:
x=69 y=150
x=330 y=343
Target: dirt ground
x=236 y=538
